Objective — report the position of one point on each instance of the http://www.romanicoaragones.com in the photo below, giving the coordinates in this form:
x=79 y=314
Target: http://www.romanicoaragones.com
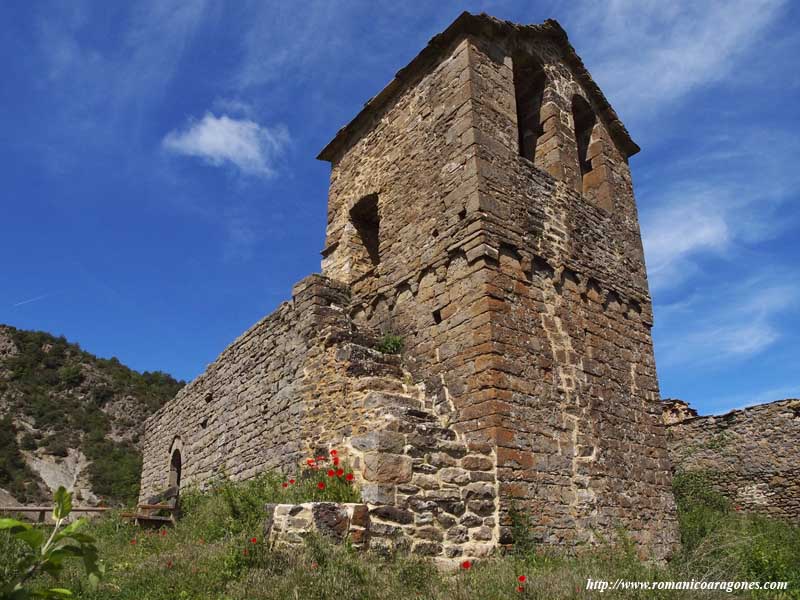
x=601 y=585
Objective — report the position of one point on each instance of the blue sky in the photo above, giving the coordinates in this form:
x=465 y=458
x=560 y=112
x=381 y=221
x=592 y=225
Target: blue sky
x=160 y=192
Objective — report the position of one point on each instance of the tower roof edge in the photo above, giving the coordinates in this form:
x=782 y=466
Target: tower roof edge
x=486 y=25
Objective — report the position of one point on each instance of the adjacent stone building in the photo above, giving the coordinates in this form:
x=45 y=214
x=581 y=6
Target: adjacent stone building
x=481 y=207
x=751 y=455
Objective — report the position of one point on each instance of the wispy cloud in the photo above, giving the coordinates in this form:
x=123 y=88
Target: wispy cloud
x=30 y=300
x=732 y=194
x=731 y=323
x=252 y=148
x=648 y=54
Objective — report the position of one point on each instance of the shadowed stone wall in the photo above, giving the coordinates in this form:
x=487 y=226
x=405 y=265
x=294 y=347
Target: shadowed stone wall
x=751 y=455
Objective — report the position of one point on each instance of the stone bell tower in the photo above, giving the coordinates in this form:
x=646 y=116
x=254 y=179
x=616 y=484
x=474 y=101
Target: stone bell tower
x=481 y=206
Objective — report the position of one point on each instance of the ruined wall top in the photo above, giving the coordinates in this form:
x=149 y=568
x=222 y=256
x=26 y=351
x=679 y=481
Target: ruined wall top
x=488 y=27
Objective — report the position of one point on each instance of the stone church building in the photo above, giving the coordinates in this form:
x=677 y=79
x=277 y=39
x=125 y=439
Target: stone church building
x=481 y=207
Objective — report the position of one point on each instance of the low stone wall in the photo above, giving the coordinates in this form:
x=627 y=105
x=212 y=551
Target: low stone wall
x=751 y=455
x=381 y=529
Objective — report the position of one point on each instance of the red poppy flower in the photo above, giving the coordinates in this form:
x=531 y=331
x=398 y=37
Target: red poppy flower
x=321 y=485
x=310 y=462
x=314 y=565
x=334 y=452
x=253 y=540
x=169 y=564
x=520 y=589
x=163 y=532
x=244 y=551
x=291 y=481
x=466 y=564
x=522 y=578
x=336 y=461
x=284 y=484
x=737 y=508
x=349 y=477
x=331 y=472
x=339 y=472
x=320 y=458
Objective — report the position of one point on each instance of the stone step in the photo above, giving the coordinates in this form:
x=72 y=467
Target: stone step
x=391 y=400
x=379 y=384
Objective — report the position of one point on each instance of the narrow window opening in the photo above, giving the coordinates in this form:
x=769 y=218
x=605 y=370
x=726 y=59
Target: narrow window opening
x=175 y=470
x=584 y=119
x=462 y=214
x=529 y=83
x=437 y=316
x=204 y=424
x=365 y=218
x=208 y=397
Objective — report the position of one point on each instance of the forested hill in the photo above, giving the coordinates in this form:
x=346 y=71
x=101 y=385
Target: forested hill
x=70 y=418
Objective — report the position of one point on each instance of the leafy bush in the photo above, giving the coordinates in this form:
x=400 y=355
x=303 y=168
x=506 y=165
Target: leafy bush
x=390 y=344
x=42 y=553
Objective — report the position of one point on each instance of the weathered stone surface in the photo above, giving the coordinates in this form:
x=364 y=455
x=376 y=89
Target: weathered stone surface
x=393 y=514
x=751 y=455
x=387 y=468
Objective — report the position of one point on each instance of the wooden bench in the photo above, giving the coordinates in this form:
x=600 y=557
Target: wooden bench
x=146 y=514
x=43 y=511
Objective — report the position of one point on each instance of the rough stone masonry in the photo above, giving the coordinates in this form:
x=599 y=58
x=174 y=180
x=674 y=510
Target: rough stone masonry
x=750 y=455
x=481 y=207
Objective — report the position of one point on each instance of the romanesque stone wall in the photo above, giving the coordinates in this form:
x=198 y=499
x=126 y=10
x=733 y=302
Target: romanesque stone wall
x=293 y=383
x=580 y=439
x=751 y=455
x=530 y=322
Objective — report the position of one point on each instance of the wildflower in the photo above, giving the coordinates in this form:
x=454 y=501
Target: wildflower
x=339 y=472
x=133 y=541
x=310 y=462
x=291 y=482
x=244 y=552
x=331 y=472
x=163 y=533
x=314 y=565
x=349 y=477
x=737 y=508
x=334 y=452
x=253 y=540
x=321 y=485
x=169 y=564
x=335 y=461
x=320 y=458
x=284 y=484
x=522 y=578
x=466 y=565
x=521 y=589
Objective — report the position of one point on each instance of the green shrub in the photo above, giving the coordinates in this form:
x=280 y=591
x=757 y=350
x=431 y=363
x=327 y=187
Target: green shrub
x=390 y=344
x=40 y=552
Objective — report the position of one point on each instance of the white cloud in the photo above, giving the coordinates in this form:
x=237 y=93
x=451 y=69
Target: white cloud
x=729 y=323
x=252 y=148
x=676 y=232
x=729 y=196
x=647 y=54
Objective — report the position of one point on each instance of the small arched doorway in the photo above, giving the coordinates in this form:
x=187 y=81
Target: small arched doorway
x=175 y=469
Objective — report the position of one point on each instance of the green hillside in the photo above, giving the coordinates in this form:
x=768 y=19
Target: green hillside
x=56 y=399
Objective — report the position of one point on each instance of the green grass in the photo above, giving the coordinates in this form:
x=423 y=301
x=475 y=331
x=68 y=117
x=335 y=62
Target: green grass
x=210 y=555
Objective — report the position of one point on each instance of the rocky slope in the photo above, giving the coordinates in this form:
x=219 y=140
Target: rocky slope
x=70 y=418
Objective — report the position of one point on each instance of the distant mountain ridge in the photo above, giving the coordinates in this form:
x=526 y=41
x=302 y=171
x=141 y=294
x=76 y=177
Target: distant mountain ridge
x=70 y=418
